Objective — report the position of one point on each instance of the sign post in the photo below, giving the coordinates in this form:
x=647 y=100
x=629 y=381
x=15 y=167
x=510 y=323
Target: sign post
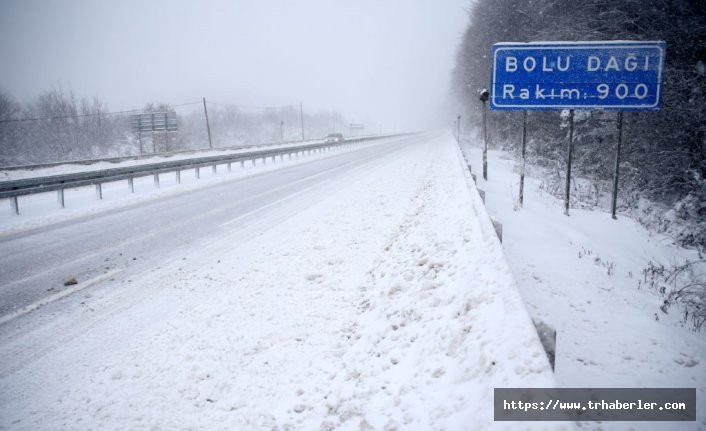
x=484 y=98
x=458 y=129
x=524 y=151
x=614 y=201
x=569 y=152
x=612 y=75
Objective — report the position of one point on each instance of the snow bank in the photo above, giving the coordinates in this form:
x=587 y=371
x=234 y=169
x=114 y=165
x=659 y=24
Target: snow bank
x=387 y=305
x=583 y=275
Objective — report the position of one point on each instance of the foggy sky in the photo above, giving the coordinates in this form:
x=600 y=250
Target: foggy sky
x=387 y=61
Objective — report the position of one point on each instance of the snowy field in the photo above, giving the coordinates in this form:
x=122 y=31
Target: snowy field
x=377 y=299
x=581 y=274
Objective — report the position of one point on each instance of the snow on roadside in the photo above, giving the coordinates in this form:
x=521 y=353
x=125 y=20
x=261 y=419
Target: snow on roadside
x=388 y=305
x=79 y=166
x=581 y=274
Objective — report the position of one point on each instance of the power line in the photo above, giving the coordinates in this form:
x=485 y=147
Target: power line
x=246 y=106
x=64 y=117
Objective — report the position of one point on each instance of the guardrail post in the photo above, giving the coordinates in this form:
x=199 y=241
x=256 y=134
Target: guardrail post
x=254 y=162
x=99 y=191
x=15 y=205
x=197 y=172
x=547 y=336
x=242 y=164
x=214 y=169
x=60 y=197
x=229 y=168
x=131 y=185
x=498 y=229
x=156 y=180
x=178 y=176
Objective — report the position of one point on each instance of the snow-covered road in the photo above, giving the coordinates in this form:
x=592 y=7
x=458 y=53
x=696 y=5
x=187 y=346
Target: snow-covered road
x=361 y=290
x=131 y=239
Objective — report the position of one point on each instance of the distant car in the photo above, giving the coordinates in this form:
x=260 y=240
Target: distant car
x=333 y=138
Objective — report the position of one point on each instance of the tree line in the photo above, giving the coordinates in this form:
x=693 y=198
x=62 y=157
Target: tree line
x=60 y=126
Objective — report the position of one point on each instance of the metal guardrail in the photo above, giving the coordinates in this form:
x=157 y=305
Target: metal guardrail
x=15 y=188
x=165 y=154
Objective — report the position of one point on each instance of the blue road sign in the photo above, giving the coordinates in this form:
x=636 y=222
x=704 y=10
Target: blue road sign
x=616 y=75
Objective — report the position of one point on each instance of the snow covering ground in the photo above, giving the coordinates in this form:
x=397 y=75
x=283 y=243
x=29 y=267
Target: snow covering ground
x=580 y=274
x=387 y=305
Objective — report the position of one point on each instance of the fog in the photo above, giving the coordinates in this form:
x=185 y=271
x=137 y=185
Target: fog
x=382 y=62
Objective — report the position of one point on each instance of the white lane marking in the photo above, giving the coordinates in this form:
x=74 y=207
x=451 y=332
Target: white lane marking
x=273 y=203
x=55 y=297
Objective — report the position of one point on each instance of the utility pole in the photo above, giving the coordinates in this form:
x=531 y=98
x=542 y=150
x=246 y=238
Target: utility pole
x=208 y=126
x=100 y=129
x=484 y=97
x=458 y=129
x=154 y=143
x=301 y=116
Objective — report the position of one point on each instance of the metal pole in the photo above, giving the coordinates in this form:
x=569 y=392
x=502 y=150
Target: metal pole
x=458 y=129
x=281 y=131
x=614 y=202
x=522 y=168
x=154 y=144
x=208 y=126
x=570 y=150
x=166 y=137
x=485 y=144
x=301 y=116
x=100 y=129
x=15 y=205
